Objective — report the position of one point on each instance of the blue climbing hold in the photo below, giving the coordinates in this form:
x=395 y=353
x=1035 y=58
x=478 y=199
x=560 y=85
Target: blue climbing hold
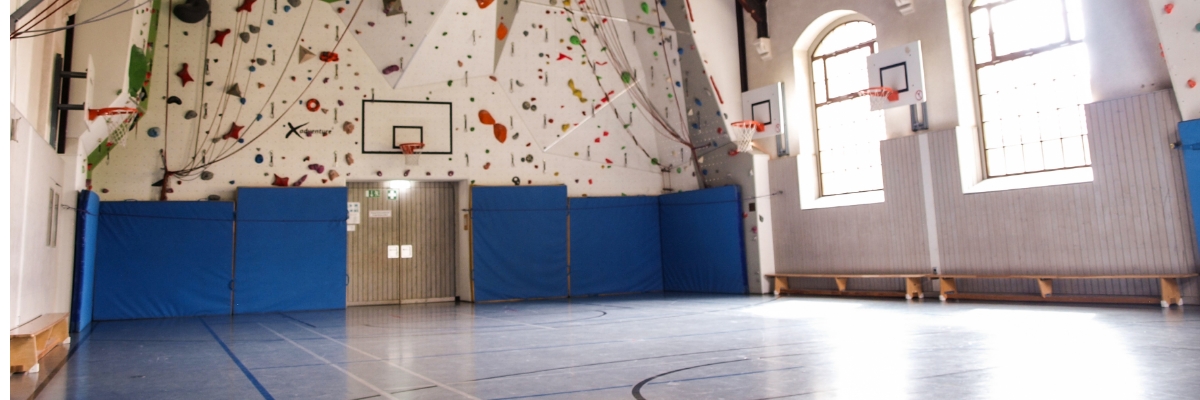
x=677 y=84
x=681 y=51
x=705 y=172
x=152 y=132
x=258 y=158
x=251 y=68
x=242 y=100
x=287 y=8
x=258 y=118
x=270 y=22
x=698 y=103
x=695 y=126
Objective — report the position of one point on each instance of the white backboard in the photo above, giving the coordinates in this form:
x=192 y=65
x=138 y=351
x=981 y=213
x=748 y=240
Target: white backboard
x=388 y=123
x=765 y=105
x=898 y=68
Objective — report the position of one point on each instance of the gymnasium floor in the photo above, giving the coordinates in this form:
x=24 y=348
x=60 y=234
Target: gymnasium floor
x=661 y=346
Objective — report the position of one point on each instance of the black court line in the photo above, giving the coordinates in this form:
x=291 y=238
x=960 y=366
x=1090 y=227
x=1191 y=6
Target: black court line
x=558 y=393
x=402 y=391
x=637 y=389
x=261 y=390
x=297 y=320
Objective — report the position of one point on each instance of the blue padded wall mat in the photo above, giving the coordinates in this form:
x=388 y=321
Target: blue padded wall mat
x=87 y=216
x=1189 y=136
x=519 y=242
x=615 y=245
x=702 y=248
x=163 y=259
x=291 y=249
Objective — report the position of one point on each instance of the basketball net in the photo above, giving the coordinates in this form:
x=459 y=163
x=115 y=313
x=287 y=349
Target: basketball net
x=411 y=152
x=742 y=133
x=880 y=96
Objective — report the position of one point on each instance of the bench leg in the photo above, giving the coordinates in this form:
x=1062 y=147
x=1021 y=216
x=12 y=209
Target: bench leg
x=948 y=286
x=912 y=287
x=841 y=283
x=781 y=284
x=1170 y=292
x=1046 y=286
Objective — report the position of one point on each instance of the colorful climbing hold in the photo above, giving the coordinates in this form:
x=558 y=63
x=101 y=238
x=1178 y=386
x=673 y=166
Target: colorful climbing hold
x=485 y=118
x=183 y=75
x=235 y=132
x=329 y=56
x=219 y=37
x=246 y=5
x=575 y=40
x=501 y=132
x=645 y=8
x=280 y=181
x=501 y=31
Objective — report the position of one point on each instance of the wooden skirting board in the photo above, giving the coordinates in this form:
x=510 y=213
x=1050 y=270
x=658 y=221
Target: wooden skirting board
x=1168 y=283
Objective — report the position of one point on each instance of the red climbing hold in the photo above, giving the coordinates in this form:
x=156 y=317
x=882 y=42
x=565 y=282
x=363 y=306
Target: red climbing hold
x=501 y=132
x=484 y=3
x=608 y=161
x=1192 y=83
x=184 y=75
x=219 y=37
x=562 y=56
x=328 y=56
x=235 y=132
x=246 y=4
x=1169 y=8
x=501 y=31
x=485 y=117
x=280 y=181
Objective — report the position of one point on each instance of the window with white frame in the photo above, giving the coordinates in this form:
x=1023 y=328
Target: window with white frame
x=1033 y=75
x=848 y=132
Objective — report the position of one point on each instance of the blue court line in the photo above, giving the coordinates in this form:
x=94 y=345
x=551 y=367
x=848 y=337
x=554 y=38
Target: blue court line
x=262 y=390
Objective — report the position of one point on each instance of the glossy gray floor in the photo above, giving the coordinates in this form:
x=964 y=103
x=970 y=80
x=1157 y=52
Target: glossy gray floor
x=671 y=346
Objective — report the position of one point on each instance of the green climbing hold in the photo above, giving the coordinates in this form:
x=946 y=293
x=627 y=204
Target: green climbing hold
x=653 y=161
x=650 y=30
x=450 y=82
x=645 y=8
x=626 y=77
x=575 y=40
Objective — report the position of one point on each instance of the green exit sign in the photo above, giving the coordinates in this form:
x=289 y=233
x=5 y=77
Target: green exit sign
x=372 y=194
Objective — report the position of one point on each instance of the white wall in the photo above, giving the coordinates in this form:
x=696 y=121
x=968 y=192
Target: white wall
x=36 y=270
x=1049 y=229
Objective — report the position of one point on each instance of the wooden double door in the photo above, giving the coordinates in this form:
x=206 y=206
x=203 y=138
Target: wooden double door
x=402 y=249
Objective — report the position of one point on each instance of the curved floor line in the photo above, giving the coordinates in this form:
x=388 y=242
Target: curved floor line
x=637 y=389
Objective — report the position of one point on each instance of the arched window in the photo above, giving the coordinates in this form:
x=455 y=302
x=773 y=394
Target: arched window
x=1033 y=75
x=848 y=132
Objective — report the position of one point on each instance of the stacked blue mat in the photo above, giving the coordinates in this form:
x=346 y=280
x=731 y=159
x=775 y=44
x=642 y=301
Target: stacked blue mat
x=686 y=242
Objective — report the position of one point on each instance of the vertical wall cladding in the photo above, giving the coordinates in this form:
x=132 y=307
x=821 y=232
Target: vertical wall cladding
x=421 y=216
x=265 y=89
x=872 y=238
x=1132 y=219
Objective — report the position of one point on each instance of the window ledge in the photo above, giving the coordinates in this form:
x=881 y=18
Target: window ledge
x=843 y=200
x=1039 y=179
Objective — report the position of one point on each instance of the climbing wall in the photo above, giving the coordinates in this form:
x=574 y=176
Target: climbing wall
x=268 y=92
x=708 y=111
x=1178 y=25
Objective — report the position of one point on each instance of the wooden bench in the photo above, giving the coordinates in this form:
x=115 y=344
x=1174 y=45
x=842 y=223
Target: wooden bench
x=28 y=343
x=912 y=285
x=1169 y=283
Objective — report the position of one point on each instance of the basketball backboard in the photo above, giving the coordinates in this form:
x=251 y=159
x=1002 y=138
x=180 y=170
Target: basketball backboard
x=765 y=105
x=389 y=123
x=900 y=69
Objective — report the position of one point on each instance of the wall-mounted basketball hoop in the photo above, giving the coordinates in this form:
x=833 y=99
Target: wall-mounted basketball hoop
x=411 y=152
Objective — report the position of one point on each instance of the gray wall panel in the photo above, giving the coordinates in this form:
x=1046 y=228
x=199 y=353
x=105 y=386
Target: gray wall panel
x=1133 y=218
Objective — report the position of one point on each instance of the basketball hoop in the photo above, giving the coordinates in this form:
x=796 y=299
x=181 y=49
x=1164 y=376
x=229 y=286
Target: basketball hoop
x=411 y=151
x=742 y=133
x=880 y=96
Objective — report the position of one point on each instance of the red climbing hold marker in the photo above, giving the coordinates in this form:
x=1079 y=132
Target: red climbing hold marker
x=1169 y=8
x=1192 y=83
x=184 y=75
x=235 y=132
x=312 y=105
x=219 y=37
x=562 y=56
x=246 y=4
